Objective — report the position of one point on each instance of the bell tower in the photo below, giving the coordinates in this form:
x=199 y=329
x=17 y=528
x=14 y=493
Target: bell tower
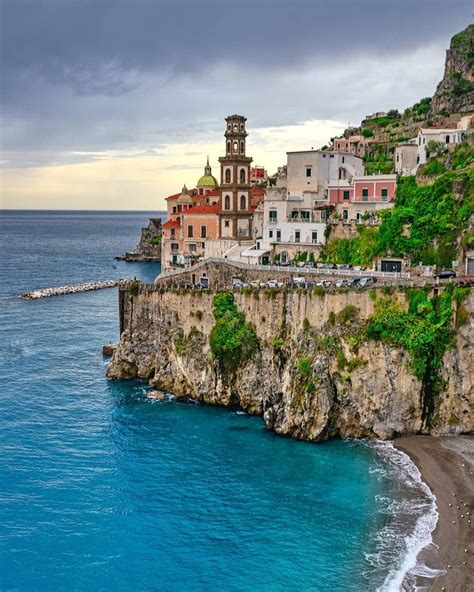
x=235 y=216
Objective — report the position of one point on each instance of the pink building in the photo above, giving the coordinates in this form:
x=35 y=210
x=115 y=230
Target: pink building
x=362 y=195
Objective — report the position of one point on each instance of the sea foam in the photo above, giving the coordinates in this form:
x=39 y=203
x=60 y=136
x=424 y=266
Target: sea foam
x=417 y=504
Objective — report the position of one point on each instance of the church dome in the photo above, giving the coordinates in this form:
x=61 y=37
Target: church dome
x=207 y=180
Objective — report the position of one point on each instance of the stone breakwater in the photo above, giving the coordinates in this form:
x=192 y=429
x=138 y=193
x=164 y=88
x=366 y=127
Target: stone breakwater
x=73 y=289
x=307 y=377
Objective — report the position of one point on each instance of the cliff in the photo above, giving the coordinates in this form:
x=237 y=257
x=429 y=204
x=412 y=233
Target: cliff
x=455 y=92
x=149 y=246
x=310 y=374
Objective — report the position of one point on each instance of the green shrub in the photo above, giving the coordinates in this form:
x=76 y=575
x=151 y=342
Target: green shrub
x=278 y=342
x=304 y=366
x=331 y=318
x=319 y=291
x=306 y=325
x=348 y=313
x=341 y=359
x=367 y=133
x=453 y=420
x=199 y=315
x=232 y=340
x=310 y=387
x=155 y=240
x=134 y=288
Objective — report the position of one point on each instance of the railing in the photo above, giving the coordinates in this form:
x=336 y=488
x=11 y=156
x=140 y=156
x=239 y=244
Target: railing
x=293 y=269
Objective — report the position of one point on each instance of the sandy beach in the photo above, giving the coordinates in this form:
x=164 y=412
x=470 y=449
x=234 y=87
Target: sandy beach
x=447 y=467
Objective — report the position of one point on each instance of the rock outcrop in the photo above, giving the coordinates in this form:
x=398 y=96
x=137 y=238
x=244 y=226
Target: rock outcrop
x=311 y=378
x=455 y=92
x=149 y=247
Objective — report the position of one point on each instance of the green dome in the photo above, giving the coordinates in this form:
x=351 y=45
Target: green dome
x=207 y=181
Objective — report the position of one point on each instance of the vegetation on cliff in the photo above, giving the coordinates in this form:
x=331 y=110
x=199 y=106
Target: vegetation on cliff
x=424 y=224
x=425 y=330
x=232 y=340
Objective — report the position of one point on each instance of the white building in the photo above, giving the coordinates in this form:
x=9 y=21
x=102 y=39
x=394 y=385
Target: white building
x=294 y=218
x=409 y=156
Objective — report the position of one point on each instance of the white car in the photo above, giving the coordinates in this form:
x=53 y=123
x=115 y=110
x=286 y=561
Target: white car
x=341 y=283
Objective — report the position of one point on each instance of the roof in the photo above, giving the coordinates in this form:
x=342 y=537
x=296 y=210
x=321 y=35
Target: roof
x=435 y=130
x=207 y=181
x=204 y=209
x=172 y=224
x=173 y=197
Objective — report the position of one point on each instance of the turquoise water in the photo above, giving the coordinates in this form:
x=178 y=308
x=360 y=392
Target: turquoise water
x=104 y=489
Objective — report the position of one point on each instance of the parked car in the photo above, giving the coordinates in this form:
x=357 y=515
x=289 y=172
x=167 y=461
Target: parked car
x=323 y=284
x=366 y=281
x=299 y=282
x=255 y=284
x=309 y=265
x=445 y=274
x=274 y=284
x=340 y=283
x=353 y=282
x=237 y=285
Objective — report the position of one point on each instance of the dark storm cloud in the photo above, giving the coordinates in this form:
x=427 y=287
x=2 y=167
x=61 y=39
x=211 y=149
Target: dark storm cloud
x=88 y=75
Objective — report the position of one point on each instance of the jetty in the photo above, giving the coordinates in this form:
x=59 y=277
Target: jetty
x=73 y=289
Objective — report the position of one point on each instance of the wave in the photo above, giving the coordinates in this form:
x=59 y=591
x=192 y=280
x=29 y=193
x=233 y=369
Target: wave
x=413 y=509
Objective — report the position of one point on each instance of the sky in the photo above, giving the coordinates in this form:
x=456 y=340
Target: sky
x=115 y=104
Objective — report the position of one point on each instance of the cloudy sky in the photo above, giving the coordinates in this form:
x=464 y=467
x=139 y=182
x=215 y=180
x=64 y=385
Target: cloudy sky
x=114 y=104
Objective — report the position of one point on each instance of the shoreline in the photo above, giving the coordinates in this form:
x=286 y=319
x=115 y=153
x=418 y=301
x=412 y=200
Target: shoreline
x=446 y=465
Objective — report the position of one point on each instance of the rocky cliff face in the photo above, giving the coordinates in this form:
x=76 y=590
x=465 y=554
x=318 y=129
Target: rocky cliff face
x=310 y=377
x=455 y=93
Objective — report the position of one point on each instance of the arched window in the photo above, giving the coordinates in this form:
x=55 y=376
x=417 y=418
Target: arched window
x=242 y=175
x=227 y=175
x=242 y=202
x=227 y=202
x=242 y=146
x=228 y=147
x=236 y=147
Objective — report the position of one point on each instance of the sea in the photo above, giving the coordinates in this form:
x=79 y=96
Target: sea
x=103 y=488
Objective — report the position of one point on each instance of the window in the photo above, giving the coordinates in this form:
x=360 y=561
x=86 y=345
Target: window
x=173 y=232
x=272 y=216
x=345 y=215
x=190 y=231
x=227 y=202
x=236 y=127
x=242 y=175
x=228 y=147
x=365 y=194
x=236 y=147
x=226 y=223
x=419 y=141
x=278 y=236
x=227 y=175
x=331 y=156
x=398 y=157
x=242 y=146
x=242 y=126
x=192 y=247
x=174 y=248
x=304 y=216
x=343 y=159
x=447 y=139
x=297 y=236
x=314 y=237
x=243 y=205
x=324 y=215
x=308 y=171
x=203 y=231
x=384 y=194
x=270 y=234
x=346 y=194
